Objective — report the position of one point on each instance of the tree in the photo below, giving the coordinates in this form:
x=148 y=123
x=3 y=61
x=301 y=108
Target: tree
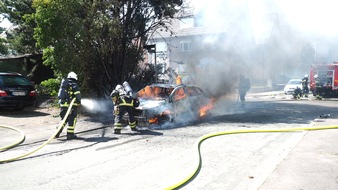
x=101 y=40
x=20 y=38
x=3 y=41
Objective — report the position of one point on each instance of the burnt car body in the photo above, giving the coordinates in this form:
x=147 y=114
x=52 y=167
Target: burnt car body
x=160 y=103
x=16 y=91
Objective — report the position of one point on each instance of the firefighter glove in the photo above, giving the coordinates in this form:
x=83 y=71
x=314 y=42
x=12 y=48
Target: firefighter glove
x=116 y=110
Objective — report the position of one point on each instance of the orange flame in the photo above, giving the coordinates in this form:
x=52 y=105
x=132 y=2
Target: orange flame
x=204 y=110
x=146 y=92
x=157 y=118
x=153 y=120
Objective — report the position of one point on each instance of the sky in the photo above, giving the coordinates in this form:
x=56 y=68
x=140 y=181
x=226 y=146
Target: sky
x=5 y=24
x=314 y=16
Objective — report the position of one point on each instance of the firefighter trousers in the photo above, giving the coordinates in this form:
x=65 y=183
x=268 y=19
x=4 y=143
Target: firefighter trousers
x=71 y=119
x=119 y=116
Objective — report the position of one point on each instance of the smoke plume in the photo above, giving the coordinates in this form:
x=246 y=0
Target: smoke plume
x=264 y=40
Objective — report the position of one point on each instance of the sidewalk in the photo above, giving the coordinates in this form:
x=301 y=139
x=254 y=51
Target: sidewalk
x=312 y=164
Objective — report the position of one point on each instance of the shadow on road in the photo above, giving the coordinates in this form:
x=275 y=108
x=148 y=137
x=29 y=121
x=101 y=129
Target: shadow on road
x=31 y=112
x=274 y=112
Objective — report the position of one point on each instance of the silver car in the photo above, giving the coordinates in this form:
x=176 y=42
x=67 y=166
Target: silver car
x=291 y=85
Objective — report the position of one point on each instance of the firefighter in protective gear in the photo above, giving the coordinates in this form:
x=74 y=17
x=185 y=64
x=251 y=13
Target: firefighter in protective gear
x=318 y=89
x=69 y=90
x=305 y=85
x=122 y=103
x=243 y=87
x=297 y=93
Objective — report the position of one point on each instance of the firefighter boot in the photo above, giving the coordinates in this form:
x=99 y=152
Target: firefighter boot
x=71 y=136
x=132 y=126
x=117 y=131
x=117 y=128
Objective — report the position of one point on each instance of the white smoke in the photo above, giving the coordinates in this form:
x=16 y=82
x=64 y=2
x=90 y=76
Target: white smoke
x=97 y=106
x=264 y=40
x=305 y=16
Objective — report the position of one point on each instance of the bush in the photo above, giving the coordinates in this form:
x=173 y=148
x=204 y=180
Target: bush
x=49 y=87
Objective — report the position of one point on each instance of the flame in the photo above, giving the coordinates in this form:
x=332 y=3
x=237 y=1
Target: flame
x=157 y=118
x=153 y=120
x=179 y=94
x=204 y=110
x=146 y=92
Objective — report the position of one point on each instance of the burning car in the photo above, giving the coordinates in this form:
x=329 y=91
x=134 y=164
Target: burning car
x=160 y=103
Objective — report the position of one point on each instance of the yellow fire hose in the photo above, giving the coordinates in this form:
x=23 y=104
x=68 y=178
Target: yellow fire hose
x=22 y=138
x=198 y=142
x=44 y=144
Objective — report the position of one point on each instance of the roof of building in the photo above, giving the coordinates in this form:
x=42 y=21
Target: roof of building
x=20 y=56
x=195 y=30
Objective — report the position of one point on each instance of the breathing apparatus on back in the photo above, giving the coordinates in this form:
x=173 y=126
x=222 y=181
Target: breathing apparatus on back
x=127 y=88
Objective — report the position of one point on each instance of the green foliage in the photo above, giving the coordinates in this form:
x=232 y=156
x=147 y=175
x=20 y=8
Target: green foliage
x=3 y=42
x=20 y=38
x=99 y=40
x=3 y=47
x=49 y=87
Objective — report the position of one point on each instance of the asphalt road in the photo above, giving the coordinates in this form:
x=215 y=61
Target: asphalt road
x=159 y=157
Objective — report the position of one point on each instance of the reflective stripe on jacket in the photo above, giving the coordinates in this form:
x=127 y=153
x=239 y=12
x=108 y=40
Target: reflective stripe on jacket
x=124 y=103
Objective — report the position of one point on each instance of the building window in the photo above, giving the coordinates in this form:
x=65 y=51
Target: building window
x=185 y=46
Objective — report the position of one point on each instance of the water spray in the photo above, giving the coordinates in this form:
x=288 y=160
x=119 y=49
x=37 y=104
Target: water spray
x=96 y=106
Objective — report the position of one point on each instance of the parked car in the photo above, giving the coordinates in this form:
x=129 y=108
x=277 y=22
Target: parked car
x=291 y=85
x=160 y=103
x=16 y=91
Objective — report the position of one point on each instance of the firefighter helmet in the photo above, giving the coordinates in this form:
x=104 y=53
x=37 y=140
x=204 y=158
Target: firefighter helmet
x=72 y=75
x=306 y=76
x=316 y=76
x=114 y=93
x=120 y=89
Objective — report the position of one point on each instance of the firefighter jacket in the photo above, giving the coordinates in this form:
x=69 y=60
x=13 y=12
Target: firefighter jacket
x=123 y=101
x=305 y=82
x=244 y=85
x=69 y=90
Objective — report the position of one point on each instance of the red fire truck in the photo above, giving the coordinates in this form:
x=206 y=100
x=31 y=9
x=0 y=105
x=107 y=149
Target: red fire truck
x=324 y=79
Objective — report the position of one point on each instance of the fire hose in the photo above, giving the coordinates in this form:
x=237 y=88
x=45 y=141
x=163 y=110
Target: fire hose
x=23 y=137
x=198 y=142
